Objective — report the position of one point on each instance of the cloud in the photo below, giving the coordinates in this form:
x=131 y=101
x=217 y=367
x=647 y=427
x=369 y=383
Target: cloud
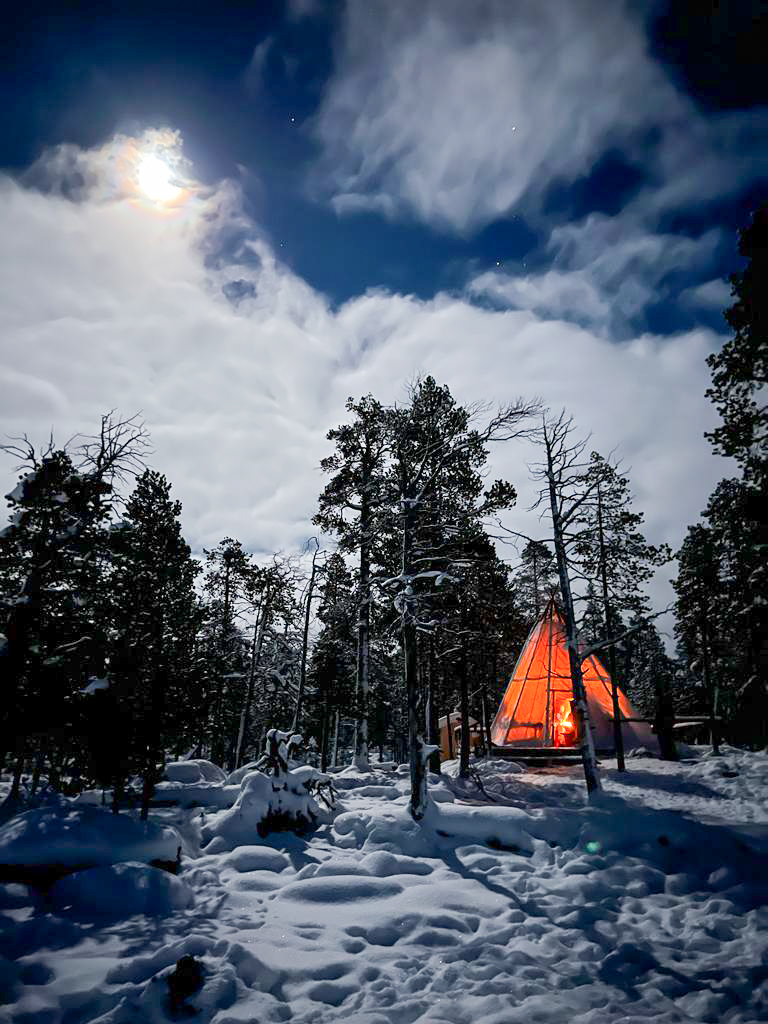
x=714 y=295
x=455 y=113
x=606 y=270
x=106 y=302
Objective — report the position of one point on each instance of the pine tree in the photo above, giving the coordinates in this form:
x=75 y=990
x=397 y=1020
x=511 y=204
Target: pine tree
x=592 y=628
x=698 y=595
x=650 y=682
x=536 y=578
x=268 y=593
x=736 y=512
x=53 y=558
x=737 y=520
x=155 y=619
x=333 y=661
x=611 y=551
x=740 y=368
x=227 y=569
x=349 y=508
x=57 y=519
x=437 y=458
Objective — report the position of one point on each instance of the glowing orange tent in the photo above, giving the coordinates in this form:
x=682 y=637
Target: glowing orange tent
x=536 y=708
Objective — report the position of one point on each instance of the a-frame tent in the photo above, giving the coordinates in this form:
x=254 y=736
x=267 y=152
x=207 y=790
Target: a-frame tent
x=536 y=711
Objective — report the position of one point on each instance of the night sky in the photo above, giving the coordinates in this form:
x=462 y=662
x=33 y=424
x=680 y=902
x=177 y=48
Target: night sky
x=535 y=197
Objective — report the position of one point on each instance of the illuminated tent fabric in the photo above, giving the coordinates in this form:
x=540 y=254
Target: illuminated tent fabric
x=535 y=710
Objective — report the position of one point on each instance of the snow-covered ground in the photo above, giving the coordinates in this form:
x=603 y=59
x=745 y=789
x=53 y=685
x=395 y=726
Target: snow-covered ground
x=648 y=903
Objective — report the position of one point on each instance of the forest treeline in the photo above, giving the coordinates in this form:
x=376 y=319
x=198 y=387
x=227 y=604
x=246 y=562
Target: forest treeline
x=120 y=649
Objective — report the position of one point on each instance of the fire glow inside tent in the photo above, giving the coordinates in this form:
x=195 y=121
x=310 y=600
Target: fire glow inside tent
x=536 y=708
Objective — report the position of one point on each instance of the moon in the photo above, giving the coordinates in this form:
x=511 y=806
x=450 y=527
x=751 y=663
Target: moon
x=154 y=178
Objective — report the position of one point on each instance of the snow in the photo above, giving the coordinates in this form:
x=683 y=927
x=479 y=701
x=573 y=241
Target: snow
x=198 y=770
x=121 y=890
x=196 y=783
x=76 y=835
x=647 y=903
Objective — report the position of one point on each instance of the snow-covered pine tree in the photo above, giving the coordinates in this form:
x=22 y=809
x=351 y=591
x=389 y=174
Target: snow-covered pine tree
x=155 y=620
x=53 y=558
x=349 y=508
x=227 y=567
x=437 y=457
x=333 y=660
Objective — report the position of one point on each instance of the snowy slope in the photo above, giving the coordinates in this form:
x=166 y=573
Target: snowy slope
x=648 y=904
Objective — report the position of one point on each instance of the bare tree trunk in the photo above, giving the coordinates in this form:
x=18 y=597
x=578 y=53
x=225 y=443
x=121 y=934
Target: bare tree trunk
x=710 y=689
x=118 y=792
x=360 y=759
x=464 y=710
x=335 y=744
x=147 y=789
x=486 y=719
x=580 y=707
x=415 y=742
x=18 y=771
x=664 y=724
x=305 y=642
x=37 y=771
x=433 y=729
x=217 y=741
x=324 y=736
x=416 y=752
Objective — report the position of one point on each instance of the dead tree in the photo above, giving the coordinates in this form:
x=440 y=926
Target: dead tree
x=562 y=493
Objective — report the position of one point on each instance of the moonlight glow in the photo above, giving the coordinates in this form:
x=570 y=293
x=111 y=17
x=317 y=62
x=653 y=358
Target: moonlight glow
x=154 y=179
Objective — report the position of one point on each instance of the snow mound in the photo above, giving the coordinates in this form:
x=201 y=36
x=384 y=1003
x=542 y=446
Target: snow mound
x=197 y=794
x=257 y=858
x=487 y=768
x=383 y=864
x=121 y=890
x=339 y=889
x=83 y=835
x=195 y=771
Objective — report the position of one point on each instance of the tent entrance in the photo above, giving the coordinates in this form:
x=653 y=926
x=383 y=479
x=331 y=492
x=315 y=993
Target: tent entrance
x=564 y=731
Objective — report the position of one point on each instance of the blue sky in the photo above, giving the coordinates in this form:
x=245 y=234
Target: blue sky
x=535 y=198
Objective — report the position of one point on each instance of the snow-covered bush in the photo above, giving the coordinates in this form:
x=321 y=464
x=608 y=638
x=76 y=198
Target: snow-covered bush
x=278 y=798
